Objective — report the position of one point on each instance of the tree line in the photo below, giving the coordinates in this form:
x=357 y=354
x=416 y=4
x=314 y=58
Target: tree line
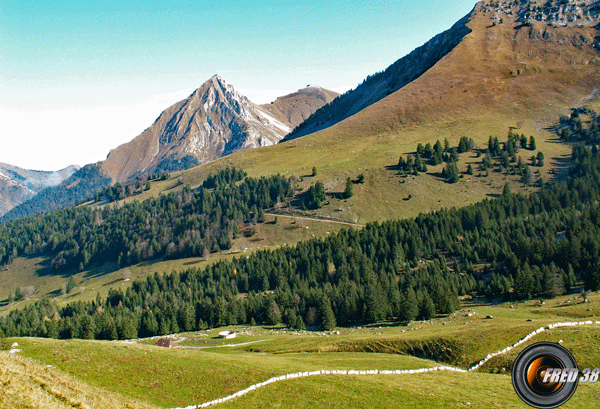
x=179 y=224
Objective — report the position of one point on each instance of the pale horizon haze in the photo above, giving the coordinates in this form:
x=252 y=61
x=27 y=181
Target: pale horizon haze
x=77 y=79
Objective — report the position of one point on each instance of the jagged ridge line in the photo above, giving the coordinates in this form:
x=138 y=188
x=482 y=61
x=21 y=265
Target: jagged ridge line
x=388 y=372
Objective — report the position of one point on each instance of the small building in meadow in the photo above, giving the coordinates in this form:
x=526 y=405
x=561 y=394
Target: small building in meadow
x=227 y=334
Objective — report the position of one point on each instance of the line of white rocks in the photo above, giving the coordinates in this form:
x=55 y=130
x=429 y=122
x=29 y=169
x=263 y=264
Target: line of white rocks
x=387 y=372
x=527 y=338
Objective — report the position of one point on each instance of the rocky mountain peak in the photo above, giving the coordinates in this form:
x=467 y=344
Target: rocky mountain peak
x=215 y=120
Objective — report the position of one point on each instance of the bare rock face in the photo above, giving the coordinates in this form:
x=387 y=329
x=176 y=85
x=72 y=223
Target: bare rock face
x=215 y=120
x=18 y=185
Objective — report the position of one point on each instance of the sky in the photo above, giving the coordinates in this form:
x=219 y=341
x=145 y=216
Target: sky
x=79 y=78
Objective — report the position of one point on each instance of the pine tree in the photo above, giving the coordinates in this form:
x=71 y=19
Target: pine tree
x=591 y=277
x=273 y=313
x=540 y=159
x=451 y=173
x=348 y=191
x=410 y=307
x=426 y=307
x=524 y=284
x=528 y=175
x=70 y=284
x=532 y=145
x=571 y=279
x=327 y=315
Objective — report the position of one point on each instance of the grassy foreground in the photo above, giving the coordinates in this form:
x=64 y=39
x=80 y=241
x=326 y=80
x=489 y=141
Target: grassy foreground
x=207 y=368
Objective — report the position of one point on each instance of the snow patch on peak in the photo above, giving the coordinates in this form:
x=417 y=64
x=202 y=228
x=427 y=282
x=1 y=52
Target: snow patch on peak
x=313 y=86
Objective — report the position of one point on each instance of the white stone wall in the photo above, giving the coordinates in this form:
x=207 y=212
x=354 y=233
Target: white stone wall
x=352 y=372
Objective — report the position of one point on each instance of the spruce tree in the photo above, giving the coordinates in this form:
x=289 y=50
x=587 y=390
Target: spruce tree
x=532 y=145
x=540 y=159
x=426 y=307
x=327 y=315
x=70 y=284
x=524 y=284
x=348 y=191
x=410 y=307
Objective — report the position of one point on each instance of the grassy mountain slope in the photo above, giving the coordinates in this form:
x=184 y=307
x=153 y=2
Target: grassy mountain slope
x=295 y=108
x=36 y=271
x=501 y=75
x=477 y=90
x=382 y=84
x=182 y=377
x=29 y=384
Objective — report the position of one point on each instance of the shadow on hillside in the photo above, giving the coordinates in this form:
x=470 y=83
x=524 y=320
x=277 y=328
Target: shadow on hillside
x=189 y=263
x=53 y=294
x=44 y=269
x=561 y=167
x=98 y=271
x=336 y=195
x=113 y=282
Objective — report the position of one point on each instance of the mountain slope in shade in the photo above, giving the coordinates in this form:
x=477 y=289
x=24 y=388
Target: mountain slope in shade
x=80 y=185
x=18 y=185
x=212 y=122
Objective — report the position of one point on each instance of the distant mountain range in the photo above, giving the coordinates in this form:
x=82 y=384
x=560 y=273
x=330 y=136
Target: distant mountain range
x=214 y=121
x=79 y=185
x=18 y=185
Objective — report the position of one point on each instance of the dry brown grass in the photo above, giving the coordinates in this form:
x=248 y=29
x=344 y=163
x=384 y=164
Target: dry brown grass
x=29 y=384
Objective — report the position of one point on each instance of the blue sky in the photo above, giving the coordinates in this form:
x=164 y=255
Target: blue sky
x=79 y=78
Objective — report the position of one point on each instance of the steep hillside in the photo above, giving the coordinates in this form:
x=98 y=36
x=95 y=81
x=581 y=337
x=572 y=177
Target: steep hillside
x=295 y=108
x=18 y=185
x=212 y=122
x=503 y=55
x=29 y=384
x=511 y=64
x=382 y=84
